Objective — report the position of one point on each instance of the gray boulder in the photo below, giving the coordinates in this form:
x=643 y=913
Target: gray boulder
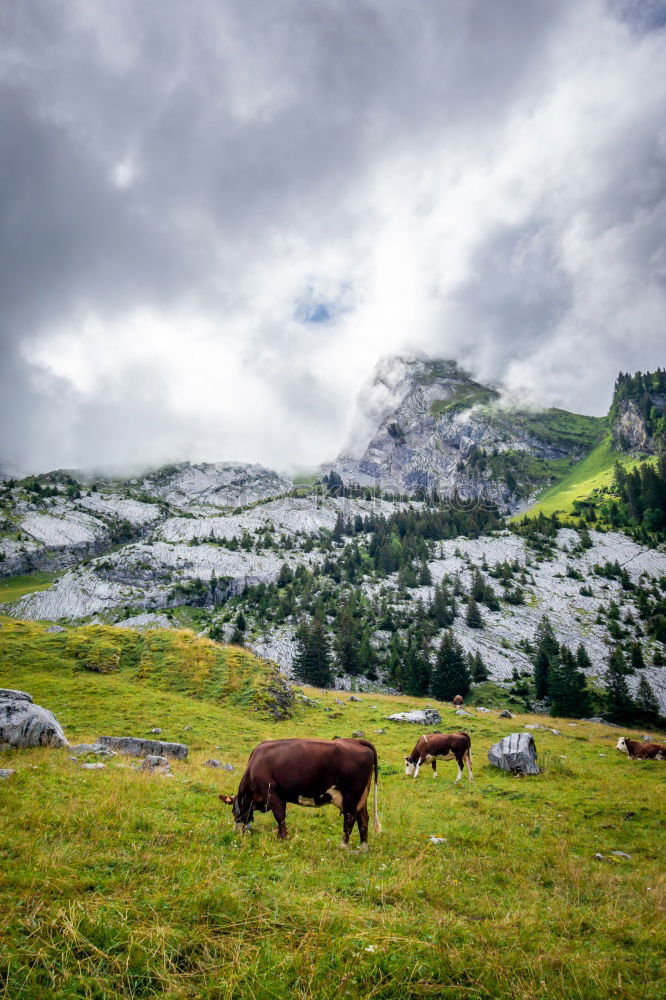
x=154 y=762
x=461 y=711
x=515 y=753
x=24 y=724
x=354 y=698
x=358 y=734
x=420 y=716
x=506 y=714
x=6 y=772
x=134 y=747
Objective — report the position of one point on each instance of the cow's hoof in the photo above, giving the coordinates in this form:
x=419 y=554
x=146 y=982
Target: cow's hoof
x=364 y=847
x=344 y=845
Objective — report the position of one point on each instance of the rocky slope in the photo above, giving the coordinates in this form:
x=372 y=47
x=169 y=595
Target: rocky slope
x=53 y=521
x=431 y=426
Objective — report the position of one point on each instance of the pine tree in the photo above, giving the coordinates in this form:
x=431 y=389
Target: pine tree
x=547 y=652
x=637 y=661
x=619 y=706
x=312 y=662
x=477 y=668
x=583 y=661
x=415 y=669
x=473 y=616
x=451 y=673
x=646 y=702
x=567 y=688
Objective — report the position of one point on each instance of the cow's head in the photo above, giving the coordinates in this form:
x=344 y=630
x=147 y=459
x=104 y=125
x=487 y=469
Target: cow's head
x=622 y=745
x=242 y=816
x=410 y=766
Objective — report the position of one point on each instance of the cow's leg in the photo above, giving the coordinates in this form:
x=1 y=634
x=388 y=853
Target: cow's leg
x=363 y=821
x=279 y=810
x=416 y=769
x=434 y=767
x=349 y=818
x=468 y=761
x=459 y=762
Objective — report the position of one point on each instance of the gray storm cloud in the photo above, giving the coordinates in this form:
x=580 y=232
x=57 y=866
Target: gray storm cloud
x=216 y=217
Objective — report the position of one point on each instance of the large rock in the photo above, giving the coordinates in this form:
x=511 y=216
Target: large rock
x=516 y=753
x=420 y=716
x=24 y=724
x=134 y=747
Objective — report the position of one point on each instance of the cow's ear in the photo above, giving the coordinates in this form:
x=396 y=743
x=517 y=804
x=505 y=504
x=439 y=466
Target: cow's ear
x=227 y=799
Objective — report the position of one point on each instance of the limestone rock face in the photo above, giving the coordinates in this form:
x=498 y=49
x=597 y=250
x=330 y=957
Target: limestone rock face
x=24 y=724
x=516 y=753
x=420 y=716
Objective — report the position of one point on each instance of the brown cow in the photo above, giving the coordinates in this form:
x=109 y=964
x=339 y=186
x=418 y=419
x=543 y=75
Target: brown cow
x=308 y=773
x=441 y=746
x=642 y=751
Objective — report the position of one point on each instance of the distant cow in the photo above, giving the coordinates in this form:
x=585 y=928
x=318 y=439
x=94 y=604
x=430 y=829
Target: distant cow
x=458 y=701
x=642 y=751
x=308 y=773
x=441 y=746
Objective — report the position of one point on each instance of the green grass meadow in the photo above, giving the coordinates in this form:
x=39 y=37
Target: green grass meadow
x=119 y=883
x=592 y=473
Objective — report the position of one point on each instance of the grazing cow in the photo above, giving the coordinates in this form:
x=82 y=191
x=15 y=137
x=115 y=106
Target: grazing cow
x=441 y=746
x=458 y=701
x=642 y=751
x=308 y=773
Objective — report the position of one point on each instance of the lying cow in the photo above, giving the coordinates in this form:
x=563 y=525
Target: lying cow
x=308 y=773
x=441 y=746
x=642 y=751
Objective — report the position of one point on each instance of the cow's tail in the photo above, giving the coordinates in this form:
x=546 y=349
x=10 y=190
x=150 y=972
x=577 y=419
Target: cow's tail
x=371 y=746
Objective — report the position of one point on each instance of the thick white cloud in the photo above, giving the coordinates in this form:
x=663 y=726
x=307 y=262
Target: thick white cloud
x=216 y=217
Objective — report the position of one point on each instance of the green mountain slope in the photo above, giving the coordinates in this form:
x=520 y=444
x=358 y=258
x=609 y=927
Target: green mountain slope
x=588 y=478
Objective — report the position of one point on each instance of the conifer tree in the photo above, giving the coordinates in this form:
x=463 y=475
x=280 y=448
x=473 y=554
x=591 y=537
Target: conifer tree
x=619 y=706
x=547 y=652
x=646 y=702
x=312 y=662
x=477 y=668
x=473 y=616
x=451 y=673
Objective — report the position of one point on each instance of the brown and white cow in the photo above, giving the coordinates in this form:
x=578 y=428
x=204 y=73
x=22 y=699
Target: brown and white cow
x=642 y=751
x=308 y=772
x=441 y=746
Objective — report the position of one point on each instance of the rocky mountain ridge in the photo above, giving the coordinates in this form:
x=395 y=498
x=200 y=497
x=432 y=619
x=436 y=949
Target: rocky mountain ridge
x=433 y=427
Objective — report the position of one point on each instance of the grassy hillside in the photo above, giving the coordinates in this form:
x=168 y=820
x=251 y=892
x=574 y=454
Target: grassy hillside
x=116 y=883
x=592 y=474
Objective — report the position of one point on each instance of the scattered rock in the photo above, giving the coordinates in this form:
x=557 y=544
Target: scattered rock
x=134 y=747
x=515 y=753
x=95 y=748
x=353 y=697
x=358 y=734
x=506 y=714
x=187 y=729
x=156 y=732
x=437 y=840
x=380 y=731
x=216 y=763
x=93 y=766
x=556 y=732
x=534 y=726
x=6 y=772
x=56 y=628
x=461 y=711
x=601 y=722
x=154 y=762
x=621 y=854
x=480 y=708
x=24 y=724
x=420 y=716
x=599 y=857
x=338 y=701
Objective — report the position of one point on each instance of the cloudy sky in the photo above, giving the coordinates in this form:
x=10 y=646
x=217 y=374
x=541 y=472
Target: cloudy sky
x=217 y=215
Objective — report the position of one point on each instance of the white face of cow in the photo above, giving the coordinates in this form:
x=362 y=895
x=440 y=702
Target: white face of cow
x=621 y=745
x=409 y=767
